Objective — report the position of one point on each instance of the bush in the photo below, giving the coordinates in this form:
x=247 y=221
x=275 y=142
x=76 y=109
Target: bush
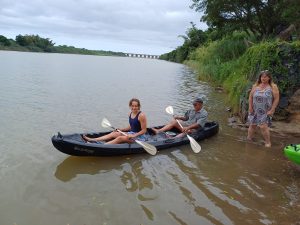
x=232 y=64
x=4 y=41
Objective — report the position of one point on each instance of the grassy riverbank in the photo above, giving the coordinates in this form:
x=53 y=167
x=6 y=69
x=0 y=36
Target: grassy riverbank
x=235 y=61
x=242 y=39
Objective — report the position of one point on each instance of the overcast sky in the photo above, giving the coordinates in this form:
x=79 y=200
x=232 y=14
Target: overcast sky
x=137 y=26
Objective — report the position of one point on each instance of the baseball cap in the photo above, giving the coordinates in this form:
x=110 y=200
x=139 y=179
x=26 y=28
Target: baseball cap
x=200 y=100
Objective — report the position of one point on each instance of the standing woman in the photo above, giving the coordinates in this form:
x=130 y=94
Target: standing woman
x=136 y=129
x=263 y=100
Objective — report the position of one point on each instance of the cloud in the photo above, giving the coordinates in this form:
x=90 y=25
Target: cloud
x=147 y=26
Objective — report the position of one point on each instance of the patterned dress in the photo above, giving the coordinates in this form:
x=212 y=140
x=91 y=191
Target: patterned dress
x=262 y=103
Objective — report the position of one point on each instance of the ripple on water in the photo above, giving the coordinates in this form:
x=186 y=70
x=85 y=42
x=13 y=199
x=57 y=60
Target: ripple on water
x=228 y=182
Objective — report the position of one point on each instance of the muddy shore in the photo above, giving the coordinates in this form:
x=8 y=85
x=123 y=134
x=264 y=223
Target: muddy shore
x=279 y=128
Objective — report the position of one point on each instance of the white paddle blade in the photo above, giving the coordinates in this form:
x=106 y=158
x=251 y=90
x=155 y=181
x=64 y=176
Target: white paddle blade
x=194 y=144
x=170 y=110
x=105 y=123
x=148 y=148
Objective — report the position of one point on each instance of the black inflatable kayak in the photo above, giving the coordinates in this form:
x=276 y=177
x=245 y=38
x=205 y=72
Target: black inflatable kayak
x=73 y=144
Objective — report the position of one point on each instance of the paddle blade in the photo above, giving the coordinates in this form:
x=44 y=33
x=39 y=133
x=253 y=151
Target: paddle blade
x=148 y=148
x=194 y=144
x=105 y=123
x=170 y=110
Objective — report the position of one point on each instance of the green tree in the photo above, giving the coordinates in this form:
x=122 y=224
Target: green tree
x=4 y=41
x=261 y=17
x=22 y=40
x=192 y=39
x=35 y=41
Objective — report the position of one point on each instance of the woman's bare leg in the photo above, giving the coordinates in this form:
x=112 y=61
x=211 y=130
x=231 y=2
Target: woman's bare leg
x=119 y=140
x=107 y=137
x=172 y=124
x=265 y=131
x=251 y=132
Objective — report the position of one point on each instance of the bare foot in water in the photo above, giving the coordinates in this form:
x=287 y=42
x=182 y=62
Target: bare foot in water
x=249 y=139
x=268 y=145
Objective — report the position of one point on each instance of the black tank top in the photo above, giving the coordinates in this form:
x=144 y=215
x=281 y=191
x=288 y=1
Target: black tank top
x=135 y=123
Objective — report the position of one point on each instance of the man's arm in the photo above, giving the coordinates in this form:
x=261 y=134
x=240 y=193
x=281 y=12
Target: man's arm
x=183 y=118
x=180 y=118
x=193 y=126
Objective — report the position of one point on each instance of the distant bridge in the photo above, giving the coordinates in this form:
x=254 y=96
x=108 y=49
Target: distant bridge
x=136 y=55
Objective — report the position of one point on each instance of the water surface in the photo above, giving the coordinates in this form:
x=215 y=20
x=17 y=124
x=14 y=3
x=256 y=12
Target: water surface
x=228 y=182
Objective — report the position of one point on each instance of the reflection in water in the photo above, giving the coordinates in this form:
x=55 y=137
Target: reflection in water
x=229 y=182
x=147 y=212
x=73 y=166
x=180 y=181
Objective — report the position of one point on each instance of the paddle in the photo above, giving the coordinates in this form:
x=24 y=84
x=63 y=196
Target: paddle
x=194 y=144
x=148 y=148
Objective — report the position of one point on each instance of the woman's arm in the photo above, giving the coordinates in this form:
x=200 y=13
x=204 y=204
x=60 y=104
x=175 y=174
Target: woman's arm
x=275 y=92
x=250 y=110
x=125 y=129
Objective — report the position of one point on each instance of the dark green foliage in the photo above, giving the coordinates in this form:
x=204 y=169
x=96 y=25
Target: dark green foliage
x=4 y=41
x=73 y=50
x=259 y=19
x=193 y=39
x=35 y=43
x=263 y=18
x=178 y=55
x=236 y=69
x=219 y=61
x=242 y=39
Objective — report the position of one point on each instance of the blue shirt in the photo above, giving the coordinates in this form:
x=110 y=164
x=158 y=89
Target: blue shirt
x=135 y=125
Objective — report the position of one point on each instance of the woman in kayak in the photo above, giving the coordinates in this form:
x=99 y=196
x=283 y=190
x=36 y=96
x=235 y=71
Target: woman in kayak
x=136 y=129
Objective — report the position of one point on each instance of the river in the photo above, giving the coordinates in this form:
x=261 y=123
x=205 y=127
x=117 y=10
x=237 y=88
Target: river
x=229 y=182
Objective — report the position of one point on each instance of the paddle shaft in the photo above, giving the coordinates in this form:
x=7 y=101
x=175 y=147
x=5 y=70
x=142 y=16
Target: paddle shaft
x=148 y=147
x=179 y=123
x=119 y=131
x=194 y=145
x=181 y=126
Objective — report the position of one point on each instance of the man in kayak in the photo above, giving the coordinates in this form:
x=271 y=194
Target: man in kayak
x=136 y=129
x=192 y=120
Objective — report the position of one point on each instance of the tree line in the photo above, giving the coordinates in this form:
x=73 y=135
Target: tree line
x=35 y=43
x=261 y=19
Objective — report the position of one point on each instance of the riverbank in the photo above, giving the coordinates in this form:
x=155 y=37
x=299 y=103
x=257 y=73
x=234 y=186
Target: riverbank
x=284 y=129
x=288 y=128
x=35 y=43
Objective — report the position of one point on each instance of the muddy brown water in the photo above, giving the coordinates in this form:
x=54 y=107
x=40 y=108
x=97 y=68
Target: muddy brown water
x=229 y=182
